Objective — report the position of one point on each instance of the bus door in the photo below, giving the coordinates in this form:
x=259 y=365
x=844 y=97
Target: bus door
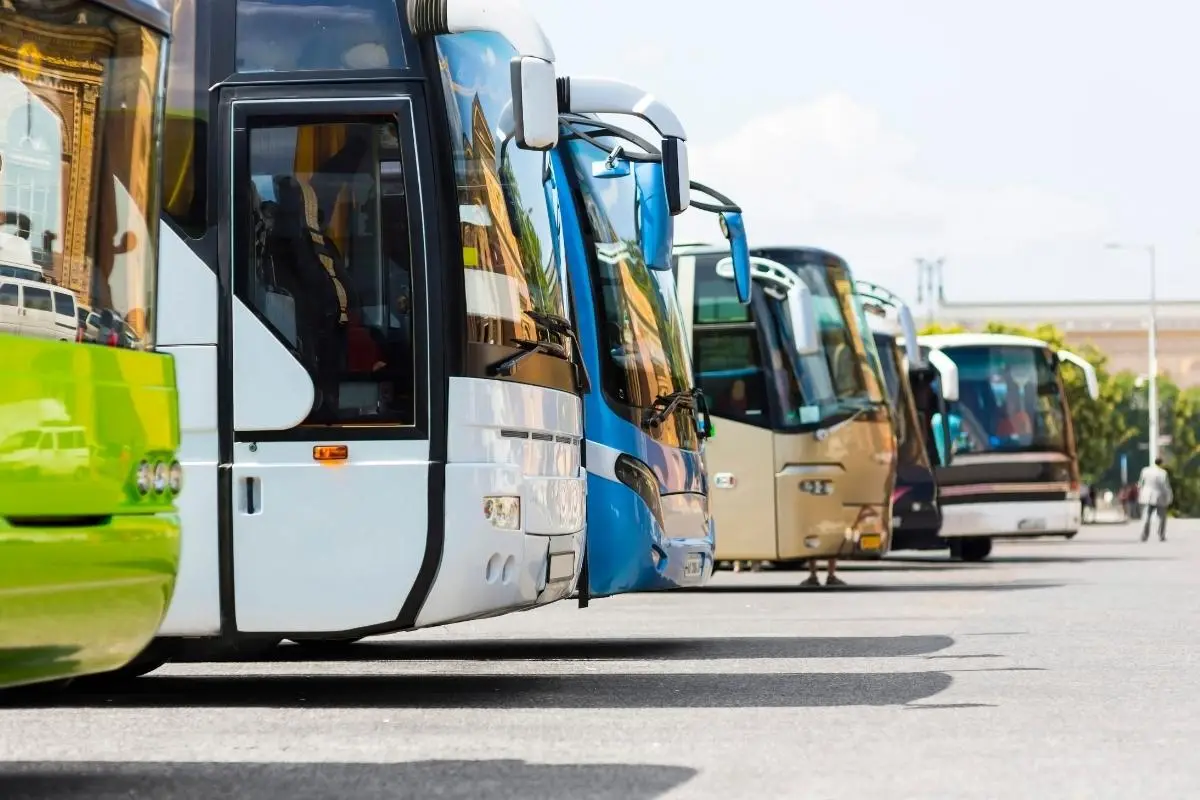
x=325 y=390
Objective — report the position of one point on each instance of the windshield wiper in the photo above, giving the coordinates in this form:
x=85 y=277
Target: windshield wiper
x=563 y=327
x=528 y=348
x=666 y=404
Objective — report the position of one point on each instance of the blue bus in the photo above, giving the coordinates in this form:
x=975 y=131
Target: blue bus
x=645 y=420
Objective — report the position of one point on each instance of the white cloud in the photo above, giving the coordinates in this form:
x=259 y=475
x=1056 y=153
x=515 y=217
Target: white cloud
x=830 y=173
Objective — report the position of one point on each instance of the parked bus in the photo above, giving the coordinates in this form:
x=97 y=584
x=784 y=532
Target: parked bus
x=88 y=433
x=382 y=424
x=644 y=419
x=916 y=403
x=1014 y=471
x=803 y=463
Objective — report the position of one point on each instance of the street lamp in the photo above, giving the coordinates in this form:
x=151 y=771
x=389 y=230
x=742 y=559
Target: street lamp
x=1152 y=400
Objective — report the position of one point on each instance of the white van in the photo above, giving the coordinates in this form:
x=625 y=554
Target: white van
x=38 y=310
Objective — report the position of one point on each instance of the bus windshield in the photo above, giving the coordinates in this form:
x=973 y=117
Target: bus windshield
x=643 y=350
x=509 y=252
x=80 y=97
x=1009 y=400
x=841 y=379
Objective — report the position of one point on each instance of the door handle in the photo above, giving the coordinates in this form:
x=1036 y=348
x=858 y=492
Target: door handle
x=252 y=488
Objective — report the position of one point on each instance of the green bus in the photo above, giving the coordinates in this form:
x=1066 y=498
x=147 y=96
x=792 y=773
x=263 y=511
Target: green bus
x=89 y=419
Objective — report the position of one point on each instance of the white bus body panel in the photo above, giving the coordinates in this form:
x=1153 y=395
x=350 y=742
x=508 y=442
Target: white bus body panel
x=1011 y=519
x=306 y=566
x=327 y=548
x=498 y=446
x=187 y=290
x=195 y=608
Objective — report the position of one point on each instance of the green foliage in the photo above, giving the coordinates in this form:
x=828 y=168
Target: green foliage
x=934 y=329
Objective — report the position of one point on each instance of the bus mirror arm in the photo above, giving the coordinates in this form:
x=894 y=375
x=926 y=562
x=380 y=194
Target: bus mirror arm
x=582 y=95
x=1089 y=372
x=534 y=83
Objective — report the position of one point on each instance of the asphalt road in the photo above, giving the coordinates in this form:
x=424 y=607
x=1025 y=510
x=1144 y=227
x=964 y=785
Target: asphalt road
x=1057 y=669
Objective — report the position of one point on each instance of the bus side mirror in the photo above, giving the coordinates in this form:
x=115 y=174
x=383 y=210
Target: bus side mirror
x=947 y=374
x=656 y=227
x=1089 y=372
x=610 y=168
x=676 y=175
x=534 y=103
x=805 y=327
x=946 y=454
x=734 y=229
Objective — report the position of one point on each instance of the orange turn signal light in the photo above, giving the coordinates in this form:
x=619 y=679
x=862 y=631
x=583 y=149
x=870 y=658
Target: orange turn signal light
x=331 y=452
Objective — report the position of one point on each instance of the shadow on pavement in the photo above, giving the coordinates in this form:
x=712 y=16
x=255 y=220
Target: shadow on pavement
x=626 y=649
x=330 y=781
x=1010 y=586
x=574 y=691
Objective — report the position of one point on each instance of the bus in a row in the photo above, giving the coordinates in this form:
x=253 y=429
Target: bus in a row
x=89 y=425
x=1006 y=431
x=804 y=462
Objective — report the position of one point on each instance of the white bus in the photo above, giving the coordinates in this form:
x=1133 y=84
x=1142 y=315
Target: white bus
x=1014 y=471
x=363 y=291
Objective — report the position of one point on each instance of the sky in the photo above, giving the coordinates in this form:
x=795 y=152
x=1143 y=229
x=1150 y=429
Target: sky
x=1013 y=140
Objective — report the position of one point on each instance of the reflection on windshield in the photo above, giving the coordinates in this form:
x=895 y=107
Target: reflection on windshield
x=510 y=254
x=842 y=377
x=78 y=94
x=1009 y=400
x=642 y=326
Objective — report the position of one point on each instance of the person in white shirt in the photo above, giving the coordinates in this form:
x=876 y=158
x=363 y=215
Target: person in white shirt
x=1154 y=495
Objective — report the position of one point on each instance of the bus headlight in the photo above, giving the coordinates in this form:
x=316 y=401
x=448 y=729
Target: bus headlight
x=641 y=479
x=160 y=477
x=175 y=477
x=503 y=512
x=144 y=476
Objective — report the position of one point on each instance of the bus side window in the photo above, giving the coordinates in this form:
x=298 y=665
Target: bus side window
x=729 y=371
x=330 y=264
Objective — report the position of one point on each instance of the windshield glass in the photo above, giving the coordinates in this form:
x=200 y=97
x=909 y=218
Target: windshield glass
x=80 y=92
x=643 y=349
x=843 y=376
x=1009 y=400
x=509 y=251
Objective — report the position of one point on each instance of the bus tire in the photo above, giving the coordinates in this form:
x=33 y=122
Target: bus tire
x=976 y=548
x=156 y=654
x=1070 y=535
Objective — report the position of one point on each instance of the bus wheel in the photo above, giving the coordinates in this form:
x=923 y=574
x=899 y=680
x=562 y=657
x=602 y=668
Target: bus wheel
x=156 y=655
x=1070 y=535
x=976 y=548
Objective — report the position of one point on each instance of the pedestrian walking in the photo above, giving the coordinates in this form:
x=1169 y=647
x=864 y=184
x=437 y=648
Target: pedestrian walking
x=1155 y=496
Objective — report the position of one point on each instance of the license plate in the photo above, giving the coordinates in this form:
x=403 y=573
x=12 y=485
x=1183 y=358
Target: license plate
x=870 y=541
x=896 y=521
x=693 y=567
x=560 y=568
x=1037 y=524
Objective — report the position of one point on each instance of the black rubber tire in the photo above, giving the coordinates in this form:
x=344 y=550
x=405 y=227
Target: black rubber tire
x=976 y=548
x=1070 y=535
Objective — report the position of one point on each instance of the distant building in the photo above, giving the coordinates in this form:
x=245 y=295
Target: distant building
x=1119 y=329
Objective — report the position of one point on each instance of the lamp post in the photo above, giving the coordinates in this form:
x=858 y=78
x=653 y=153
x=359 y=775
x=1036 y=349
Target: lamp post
x=1148 y=249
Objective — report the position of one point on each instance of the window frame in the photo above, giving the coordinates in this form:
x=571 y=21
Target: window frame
x=245 y=109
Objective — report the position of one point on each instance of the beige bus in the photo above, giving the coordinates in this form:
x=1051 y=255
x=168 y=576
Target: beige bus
x=803 y=460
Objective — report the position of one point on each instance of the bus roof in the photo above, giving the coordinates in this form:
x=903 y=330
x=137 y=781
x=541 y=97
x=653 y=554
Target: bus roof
x=147 y=12
x=810 y=254
x=946 y=341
